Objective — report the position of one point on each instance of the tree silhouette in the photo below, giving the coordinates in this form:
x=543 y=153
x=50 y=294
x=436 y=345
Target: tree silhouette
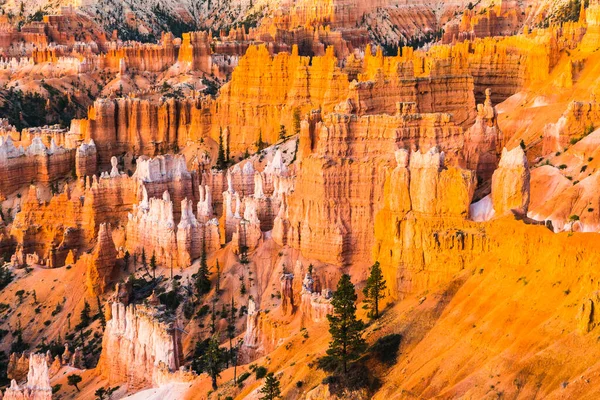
x=202 y=282
x=347 y=342
x=270 y=389
x=374 y=291
x=74 y=380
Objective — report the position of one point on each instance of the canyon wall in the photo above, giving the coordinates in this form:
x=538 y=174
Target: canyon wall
x=101 y=263
x=280 y=89
x=335 y=168
x=36 y=163
x=141 y=127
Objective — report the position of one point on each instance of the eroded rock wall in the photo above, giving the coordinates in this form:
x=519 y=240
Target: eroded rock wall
x=138 y=346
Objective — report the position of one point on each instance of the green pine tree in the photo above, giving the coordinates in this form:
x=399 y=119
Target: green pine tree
x=347 y=342
x=126 y=259
x=374 y=291
x=85 y=314
x=74 y=380
x=213 y=317
x=202 y=276
x=259 y=143
x=218 y=282
x=213 y=360
x=101 y=313
x=221 y=161
x=153 y=265
x=231 y=330
x=227 y=155
x=282 y=132
x=270 y=389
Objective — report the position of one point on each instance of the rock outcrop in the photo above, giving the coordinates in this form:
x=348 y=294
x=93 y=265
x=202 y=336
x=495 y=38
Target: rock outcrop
x=38 y=382
x=343 y=170
x=139 y=347
x=101 y=263
x=483 y=141
x=36 y=163
x=510 y=183
x=151 y=228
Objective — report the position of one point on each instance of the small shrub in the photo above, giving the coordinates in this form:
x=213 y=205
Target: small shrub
x=299 y=384
x=327 y=363
x=204 y=310
x=243 y=377
x=56 y=388
x=170 y=300
x=261 y=372
x=386 y=348
x=562 y=166
x=574 y=218
x=57 y=310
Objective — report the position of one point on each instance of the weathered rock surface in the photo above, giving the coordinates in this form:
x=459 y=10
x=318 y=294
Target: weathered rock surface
x=138 y=346
x=510 y=182
x=38 y=382
x=101 y=263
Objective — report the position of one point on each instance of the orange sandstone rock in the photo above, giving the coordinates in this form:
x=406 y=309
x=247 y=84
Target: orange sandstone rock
x=101 y=263
x=510 y=182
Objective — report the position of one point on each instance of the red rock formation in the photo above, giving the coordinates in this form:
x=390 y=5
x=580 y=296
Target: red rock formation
x=315 y=304
x=140 y=126
x=343 y=176
x=17 y=367
x=65 y=223
x=101 y=263
x=36 y=163
x=195 y=51
x=510 y=183
x=151 y=228
x=483 y=141
x=575 y=122
x=86 y=160
x=141 y=57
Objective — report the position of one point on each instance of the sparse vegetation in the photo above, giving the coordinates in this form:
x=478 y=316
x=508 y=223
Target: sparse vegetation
x=346 y=342
x=74 y=380
x=271 y=389
x=260 y=372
